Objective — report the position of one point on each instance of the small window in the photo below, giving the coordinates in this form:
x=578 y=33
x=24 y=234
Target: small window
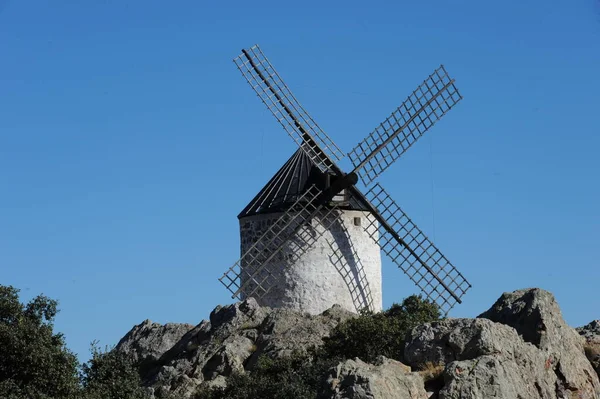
x=357 y=221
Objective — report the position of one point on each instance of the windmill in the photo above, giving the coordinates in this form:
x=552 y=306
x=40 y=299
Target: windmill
x=311 y=207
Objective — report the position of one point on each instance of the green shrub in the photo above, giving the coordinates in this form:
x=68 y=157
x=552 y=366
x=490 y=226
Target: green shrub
x=371 y=335
x=110 y=375
x=34 y=361
x=298 y=376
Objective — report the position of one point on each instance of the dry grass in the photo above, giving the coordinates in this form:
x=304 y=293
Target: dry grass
x=592 y=350
x=430 y=371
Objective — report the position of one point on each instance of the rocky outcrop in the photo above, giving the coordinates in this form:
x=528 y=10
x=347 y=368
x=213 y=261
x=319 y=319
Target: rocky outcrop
x=231 y=341
x=536 y=316
x=482 y=359
x=286 y=331
x=591 y=331
x=386 y=379
x=520 y=348
x=591 y=334
x=148 y=341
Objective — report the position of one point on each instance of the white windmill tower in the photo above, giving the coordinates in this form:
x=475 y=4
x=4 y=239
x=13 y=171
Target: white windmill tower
x=342 y=265
x=311 y=238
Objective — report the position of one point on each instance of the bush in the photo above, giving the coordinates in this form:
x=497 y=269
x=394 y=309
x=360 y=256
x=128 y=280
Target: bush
x=34 y=361
x=371 y=335
x=110 y=375
x=298 y=376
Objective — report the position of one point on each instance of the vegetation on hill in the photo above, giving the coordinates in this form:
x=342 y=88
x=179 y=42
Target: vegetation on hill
x=36 y=364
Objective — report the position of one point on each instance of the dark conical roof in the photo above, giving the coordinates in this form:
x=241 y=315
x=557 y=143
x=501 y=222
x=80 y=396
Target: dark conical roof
x=290 y=182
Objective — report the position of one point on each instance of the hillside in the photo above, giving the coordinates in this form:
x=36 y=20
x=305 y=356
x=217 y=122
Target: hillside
x=520 y=348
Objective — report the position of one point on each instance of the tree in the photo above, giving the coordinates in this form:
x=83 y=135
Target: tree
x=34 y=361
x=111 y=375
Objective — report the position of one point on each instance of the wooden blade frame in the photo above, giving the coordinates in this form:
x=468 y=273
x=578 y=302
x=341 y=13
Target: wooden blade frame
x=415 y=254
x=251 y=274
x=419 y=112
x=273 y=92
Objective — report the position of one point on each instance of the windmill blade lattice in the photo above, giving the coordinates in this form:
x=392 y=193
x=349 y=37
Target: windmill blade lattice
x=419 y=112
x=256 y=258
x=416 y=255
x=306 y=221
x=300 y=126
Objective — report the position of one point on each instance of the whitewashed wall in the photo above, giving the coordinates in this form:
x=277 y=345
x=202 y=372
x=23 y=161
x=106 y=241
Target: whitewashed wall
x=318 y=279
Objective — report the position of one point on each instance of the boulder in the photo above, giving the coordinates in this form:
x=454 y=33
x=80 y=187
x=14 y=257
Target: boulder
x=148 y=341
x=386 y=379
x=536 y=316
x=211 y=349
x=591 y=331
x=591 y=334
x=287 y=331
x=482 y=360
x=520 y=348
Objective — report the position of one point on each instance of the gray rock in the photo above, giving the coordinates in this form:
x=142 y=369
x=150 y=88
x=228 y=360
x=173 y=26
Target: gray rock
x=230 y=357
x=286 y=331
x=482 y=359
x=591 y=334
x=591 y=331
x=232 y=341
x=519 y=348
x=458 y=339
x=148 y=341
x=536 y=316
x=387 y=379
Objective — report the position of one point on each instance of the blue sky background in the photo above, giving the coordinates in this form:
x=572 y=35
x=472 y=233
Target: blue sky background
x=129 y=142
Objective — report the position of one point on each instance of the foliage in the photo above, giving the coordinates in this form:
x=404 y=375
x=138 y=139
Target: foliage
x=371 y=335
x=298 y=376
x=111 y=375
x=34 y=361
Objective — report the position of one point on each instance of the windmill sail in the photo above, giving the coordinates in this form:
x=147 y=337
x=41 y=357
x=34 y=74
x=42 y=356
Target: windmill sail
x=300 y=126
x=415 y=254
x=251 y=275
x=420 y=111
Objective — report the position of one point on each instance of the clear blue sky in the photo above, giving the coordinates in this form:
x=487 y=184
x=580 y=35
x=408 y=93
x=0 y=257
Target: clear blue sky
x=129 y=142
